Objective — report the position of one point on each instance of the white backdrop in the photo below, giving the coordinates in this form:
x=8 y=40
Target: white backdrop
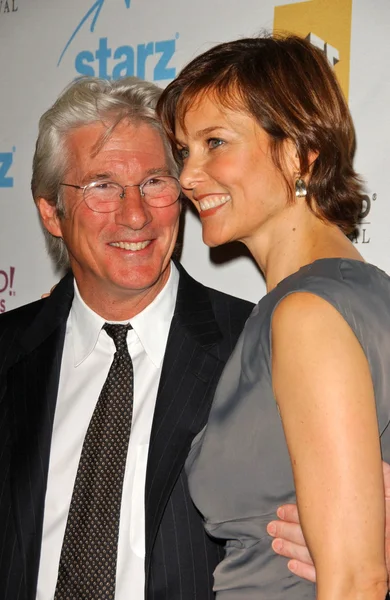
x=44 y=44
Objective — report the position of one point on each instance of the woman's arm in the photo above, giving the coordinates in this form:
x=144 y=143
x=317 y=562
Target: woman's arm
x=324 y=391
x=289 y=540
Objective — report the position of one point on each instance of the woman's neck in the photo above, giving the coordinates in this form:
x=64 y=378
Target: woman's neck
x=294 y=239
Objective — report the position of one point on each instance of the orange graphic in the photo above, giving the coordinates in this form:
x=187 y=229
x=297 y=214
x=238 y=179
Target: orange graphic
x=328 y=23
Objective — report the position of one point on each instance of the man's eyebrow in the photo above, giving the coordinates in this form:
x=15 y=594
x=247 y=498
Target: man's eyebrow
x=158 y=171
x=96 y=176
x=93 y=176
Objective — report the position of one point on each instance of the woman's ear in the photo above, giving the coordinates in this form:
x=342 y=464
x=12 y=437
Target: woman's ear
x=291 y=158
x=293 y=162
x=312 y=157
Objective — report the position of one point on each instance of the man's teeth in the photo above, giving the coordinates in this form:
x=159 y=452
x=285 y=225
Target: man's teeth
x=213 y=201
x=133 y=246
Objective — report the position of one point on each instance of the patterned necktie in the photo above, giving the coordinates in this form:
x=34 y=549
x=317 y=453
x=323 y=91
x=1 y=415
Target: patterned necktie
x=87 y=568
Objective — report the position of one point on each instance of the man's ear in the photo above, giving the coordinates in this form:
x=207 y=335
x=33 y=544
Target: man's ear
x=49 y=217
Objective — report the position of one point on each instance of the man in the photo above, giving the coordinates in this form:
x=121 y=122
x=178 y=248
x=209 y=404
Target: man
x=103 y=181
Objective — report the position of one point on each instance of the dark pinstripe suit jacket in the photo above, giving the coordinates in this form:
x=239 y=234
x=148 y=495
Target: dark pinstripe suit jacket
x=180 y=558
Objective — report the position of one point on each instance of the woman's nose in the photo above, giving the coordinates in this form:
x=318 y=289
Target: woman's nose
x=191 y=174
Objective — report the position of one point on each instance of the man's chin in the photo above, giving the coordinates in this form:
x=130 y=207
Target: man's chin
x=141 y=280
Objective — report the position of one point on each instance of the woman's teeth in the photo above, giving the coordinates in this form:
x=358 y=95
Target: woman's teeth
x=213 y=201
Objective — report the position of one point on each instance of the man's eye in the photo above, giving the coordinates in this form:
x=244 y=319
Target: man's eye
x=104 y=185
x=183 y=153
x=214 y=142
x=153 y=181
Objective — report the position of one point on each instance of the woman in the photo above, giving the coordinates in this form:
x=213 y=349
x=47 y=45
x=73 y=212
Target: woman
x=266 y=143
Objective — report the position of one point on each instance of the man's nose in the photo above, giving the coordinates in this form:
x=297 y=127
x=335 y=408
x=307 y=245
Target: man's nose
x=133 y=211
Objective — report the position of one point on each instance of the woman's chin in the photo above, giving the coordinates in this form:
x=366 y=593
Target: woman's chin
x=211 y=241
x=217 y=236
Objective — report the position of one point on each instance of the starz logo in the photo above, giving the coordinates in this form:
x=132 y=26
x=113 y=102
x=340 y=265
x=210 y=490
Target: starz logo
x=92 y=15
x=109 y=62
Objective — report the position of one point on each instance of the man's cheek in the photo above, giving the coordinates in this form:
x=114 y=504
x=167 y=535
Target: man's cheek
x=171 y=219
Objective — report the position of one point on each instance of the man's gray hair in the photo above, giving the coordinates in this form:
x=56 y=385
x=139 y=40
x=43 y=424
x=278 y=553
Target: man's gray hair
x=85 y=101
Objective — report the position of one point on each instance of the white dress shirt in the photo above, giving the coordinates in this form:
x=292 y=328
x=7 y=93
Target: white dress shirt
x=87 y=356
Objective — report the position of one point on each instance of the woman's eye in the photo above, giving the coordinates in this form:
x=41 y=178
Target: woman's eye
x=183 y=153
x=214 y=142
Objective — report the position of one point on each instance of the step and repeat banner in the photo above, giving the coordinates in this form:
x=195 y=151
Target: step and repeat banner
x=45 y=44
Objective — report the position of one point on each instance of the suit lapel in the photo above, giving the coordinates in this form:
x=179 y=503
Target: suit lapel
x=189 y=375
x=31 y=394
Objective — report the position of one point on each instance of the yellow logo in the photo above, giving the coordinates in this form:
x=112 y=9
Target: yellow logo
x=327 y=24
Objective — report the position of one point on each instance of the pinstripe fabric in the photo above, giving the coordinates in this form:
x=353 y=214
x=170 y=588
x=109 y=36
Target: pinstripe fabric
x=179 y=557
x=31 y=342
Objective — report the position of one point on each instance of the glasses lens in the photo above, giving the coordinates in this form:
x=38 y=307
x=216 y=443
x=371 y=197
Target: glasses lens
x=161 y=191
x=103 y=196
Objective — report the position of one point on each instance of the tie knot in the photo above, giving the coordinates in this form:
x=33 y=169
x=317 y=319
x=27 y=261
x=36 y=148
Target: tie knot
x=118 y=333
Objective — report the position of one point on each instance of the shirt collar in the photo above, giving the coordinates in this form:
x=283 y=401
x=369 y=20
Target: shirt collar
x=151 y=325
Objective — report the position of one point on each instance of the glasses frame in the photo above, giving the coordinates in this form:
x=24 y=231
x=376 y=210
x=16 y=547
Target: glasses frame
x=123 y=187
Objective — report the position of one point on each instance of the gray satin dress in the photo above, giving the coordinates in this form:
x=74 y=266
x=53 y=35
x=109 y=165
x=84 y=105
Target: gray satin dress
x=239 y=467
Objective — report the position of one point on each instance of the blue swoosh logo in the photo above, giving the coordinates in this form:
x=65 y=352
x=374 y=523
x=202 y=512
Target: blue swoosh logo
x=92 y=13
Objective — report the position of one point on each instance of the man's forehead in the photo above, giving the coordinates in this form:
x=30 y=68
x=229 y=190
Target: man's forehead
x=100 y=140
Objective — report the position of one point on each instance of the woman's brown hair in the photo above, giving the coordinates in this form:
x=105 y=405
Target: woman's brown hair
x=290 y=89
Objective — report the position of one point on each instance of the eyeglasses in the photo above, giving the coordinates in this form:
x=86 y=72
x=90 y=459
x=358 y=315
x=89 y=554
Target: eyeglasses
x=106 y=196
